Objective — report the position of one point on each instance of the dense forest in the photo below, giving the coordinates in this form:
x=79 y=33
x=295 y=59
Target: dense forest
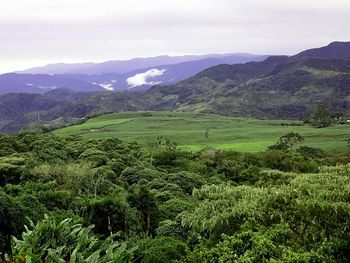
x=83 y=200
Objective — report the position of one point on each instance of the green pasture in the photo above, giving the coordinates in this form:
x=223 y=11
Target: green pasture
x=188 y=130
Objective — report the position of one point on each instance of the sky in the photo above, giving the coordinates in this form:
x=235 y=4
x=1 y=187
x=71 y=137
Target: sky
x=38 y=32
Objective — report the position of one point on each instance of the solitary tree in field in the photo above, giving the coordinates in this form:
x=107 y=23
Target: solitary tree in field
x=286 y=142
x=322 y=116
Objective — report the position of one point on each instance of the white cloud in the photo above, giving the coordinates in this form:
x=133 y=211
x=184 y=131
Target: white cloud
x=145 y=78
x=47 y=87
x=107 y=86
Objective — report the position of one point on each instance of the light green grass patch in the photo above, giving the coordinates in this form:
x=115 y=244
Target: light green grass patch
x=188 y=131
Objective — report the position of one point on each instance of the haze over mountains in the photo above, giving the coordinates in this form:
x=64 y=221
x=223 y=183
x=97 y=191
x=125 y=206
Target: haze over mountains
x=277 y=87
x=139 y=73
x=125 y=66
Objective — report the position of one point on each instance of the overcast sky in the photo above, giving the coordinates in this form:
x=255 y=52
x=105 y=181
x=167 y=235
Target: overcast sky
x=37 y=32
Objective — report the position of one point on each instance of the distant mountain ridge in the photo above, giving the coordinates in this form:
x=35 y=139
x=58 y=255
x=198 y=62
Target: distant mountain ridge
x=41 y=83
x=141 y=76
x=57 y=68
x=125 y=66
x=335 y=50
x=170 y=74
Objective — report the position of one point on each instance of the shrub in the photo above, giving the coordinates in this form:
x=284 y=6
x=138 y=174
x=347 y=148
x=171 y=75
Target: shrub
x=164 y=249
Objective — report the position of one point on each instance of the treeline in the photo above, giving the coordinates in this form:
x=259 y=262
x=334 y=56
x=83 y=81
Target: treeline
x=82 y=200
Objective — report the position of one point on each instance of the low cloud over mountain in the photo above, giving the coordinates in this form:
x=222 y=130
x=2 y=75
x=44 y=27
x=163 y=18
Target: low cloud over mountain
x=145 y=78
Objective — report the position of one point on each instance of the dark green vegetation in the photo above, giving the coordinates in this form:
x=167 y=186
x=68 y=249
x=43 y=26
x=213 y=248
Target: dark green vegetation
x=195 y=131
x=279 y=87
x=73 y=199
x=86 y=196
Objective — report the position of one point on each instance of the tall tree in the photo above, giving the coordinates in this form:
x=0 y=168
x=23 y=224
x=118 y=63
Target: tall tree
x=11 y=223
x=322 y=116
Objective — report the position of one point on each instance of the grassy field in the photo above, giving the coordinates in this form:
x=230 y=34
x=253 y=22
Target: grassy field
x=188 y=130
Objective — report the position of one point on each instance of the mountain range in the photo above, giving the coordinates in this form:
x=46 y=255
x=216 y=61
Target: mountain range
x=134 y=74
x=125 y=66
x=277 y=87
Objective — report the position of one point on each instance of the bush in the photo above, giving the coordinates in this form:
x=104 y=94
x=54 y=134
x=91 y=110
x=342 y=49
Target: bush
x=187 y=181
x=109 y=215
x=133 y=175
x=94 y=156
x=171 y=208
x=314 y=153
x=164 y=249
x=171 y=229
x=55 y=199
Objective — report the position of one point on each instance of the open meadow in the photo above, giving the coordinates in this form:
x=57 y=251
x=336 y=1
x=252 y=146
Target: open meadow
x=189 y=131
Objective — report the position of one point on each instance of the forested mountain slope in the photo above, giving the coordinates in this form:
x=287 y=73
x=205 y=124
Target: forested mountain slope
x=278 y=87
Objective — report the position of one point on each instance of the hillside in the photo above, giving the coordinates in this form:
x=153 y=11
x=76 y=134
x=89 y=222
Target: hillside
x=17 y=110
x=335 y=50
x=278 y=87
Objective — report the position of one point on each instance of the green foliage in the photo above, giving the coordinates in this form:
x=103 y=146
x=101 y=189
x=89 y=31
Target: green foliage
x=314 y=153
x=239 y=172
x=49 y=149
x=163 y=249
x=187 y=181
x=133 y=175
x=155 y=204
x=94 y=156
x=282 y=161
x=111 y=144
x=286 y=142
x=32 y=207
x=264 y=245
x=312 y=205
x=172 y=229
x=142 y=199
x=11 y=222
x=322 y=116
x=274 y=178
x=117 y=165
x=52 y=241
x=165 y=143
x=11 y=169
x=109 y=216
x=172 y=207
x=55 y=199
x=187 y=130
